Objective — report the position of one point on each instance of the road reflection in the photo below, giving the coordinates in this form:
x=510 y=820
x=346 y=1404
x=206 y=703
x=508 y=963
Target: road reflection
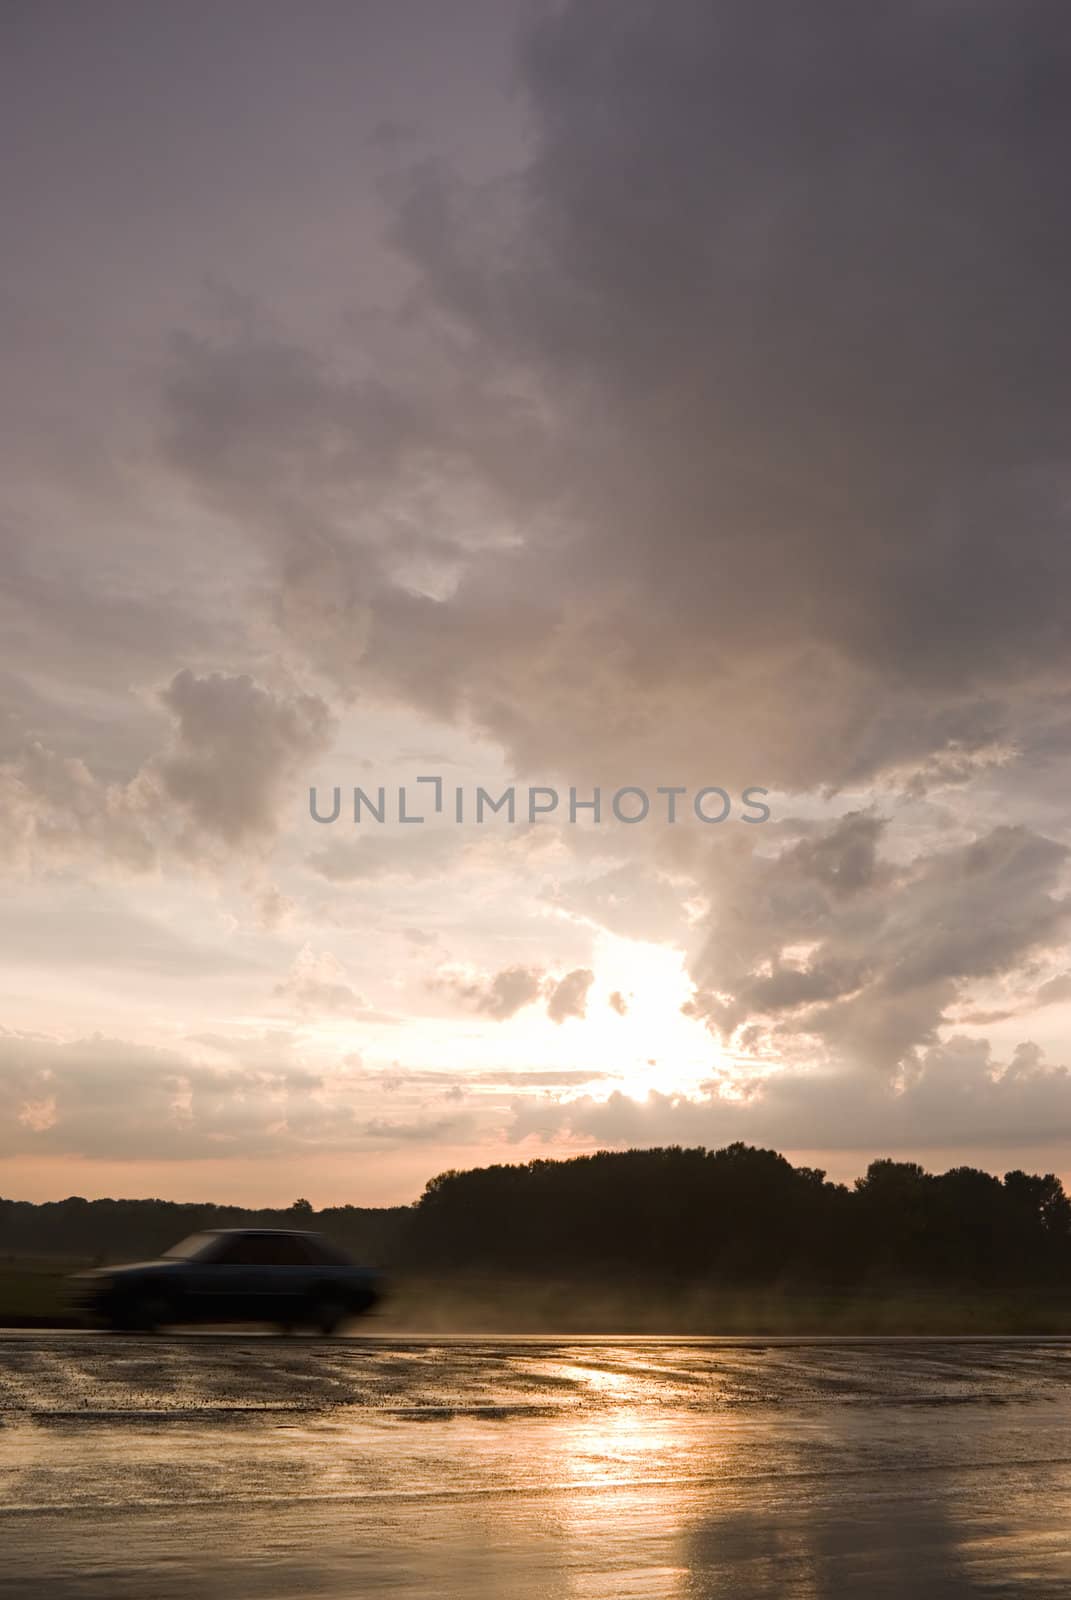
x=581 y=1472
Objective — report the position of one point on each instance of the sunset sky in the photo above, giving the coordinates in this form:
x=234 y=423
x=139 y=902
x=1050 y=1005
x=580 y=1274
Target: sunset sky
x=578 y=395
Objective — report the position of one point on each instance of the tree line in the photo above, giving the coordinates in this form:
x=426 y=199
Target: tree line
x=735 y=1216
x=129 y=1230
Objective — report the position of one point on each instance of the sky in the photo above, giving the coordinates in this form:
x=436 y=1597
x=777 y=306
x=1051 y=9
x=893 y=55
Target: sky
x=601 y=395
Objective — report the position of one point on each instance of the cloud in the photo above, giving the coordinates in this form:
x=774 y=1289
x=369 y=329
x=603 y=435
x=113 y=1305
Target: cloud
x=697 y=368
x=237 y=748
x=428 y=852
x=827 y=946
x=632 y=898
x=108 y=1099
x=569 y=996
x=1054 y=991
x=273 y=908
x=54 y=811
x=317 y=984
x=538 y=1078
x=81 y=932
x=500 y=995
x=719 y=440
x=66 y=627
x=958 y=1096
x=397 y=1077
x=424 y=1131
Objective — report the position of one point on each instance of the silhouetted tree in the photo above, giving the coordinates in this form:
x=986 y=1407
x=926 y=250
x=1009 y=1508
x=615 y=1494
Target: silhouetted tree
x=735 y=1216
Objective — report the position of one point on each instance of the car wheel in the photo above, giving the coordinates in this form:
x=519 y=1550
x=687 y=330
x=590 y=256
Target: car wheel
x=142 y=1313
x=328 y=1314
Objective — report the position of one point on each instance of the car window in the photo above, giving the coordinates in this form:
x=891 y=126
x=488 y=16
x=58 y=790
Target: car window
x=290 y=1252
x=326 y=1254
x=238 y=1252
x=262 y=1250
x=195 y=1245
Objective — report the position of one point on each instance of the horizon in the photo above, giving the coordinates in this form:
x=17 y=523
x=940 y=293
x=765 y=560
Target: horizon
x=934 y=1170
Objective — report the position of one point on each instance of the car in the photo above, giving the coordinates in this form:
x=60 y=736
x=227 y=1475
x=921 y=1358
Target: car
x=226 y=1275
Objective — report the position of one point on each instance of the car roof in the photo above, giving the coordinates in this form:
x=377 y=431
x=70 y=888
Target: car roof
x=272 y=1233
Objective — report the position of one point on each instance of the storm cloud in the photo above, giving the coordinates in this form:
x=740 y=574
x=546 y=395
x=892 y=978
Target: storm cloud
x=765 y=363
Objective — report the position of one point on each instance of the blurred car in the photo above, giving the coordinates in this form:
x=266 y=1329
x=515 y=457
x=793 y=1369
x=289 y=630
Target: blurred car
x=234 y=1275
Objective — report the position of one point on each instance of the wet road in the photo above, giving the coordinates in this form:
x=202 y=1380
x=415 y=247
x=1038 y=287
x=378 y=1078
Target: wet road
x=584 y=1469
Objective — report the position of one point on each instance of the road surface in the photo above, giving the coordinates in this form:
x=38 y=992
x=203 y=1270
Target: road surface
x=238 y=1466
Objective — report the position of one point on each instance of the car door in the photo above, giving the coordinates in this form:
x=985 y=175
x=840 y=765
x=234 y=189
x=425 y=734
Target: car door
x=287 y=1277
x=230 y=1283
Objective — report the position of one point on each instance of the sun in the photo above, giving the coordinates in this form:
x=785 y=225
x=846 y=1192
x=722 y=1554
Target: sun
x=632 y=1037
x=634 y=1030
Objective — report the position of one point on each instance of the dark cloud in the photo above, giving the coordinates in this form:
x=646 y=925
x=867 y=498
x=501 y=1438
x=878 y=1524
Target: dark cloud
x=764 y=358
